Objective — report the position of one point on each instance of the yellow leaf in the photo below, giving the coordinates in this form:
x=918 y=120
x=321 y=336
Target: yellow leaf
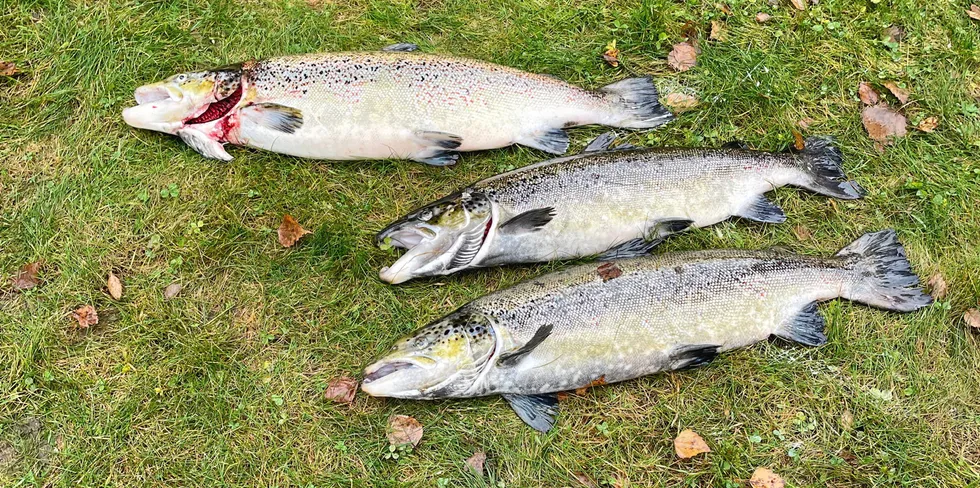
x=688 y=444
x=765 y=478
x=115 y=287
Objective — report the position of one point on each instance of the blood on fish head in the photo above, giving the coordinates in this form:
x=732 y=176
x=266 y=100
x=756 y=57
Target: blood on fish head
x=186 y=99
x=441 y=360
x=442 y=237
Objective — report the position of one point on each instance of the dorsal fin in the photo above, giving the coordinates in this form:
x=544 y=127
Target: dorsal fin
x=402 y=47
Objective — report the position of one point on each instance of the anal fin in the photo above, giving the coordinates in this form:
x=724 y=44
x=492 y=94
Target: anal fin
x=204 y=144
x=692 y=356
x=554 y=141
x=643 y=245
x=440 y=145
x=273 y=116
x=806 y=327
x=538 y=411
x=763 y=210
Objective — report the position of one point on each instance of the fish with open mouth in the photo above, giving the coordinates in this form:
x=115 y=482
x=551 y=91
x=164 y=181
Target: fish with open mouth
x=388 y=104
x=609 y=201
x=618 y=320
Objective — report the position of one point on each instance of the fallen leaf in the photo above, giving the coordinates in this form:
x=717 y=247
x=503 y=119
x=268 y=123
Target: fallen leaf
x=689 y=444
x=290 y=231
x=867 y=94
x=804 y=123
x=717 y=30
x=115 y=286
x=403 y=429
x=798 y=141
x=802 y=233
x=937 y=286
x=609 y=271
x=683 y=57
x=799 y=4
x=562 y=396
x=972 y=318
x=596 y=382
x=974 y=12
x=928 y=124
x=172 y=290
x=86 y=316
x=765 y=478
x=8 y=69
x=680 y=102
x=341 y=390
x=27 y=277
x=475 y=462
x=725 y=9
x=585 y=480
x=611 y=54
x=883 y=124
x=893 y=34
x=762 y=17
x=900 y=93
x=847 y=420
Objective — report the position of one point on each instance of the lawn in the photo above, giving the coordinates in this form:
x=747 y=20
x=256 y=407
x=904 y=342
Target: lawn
x=223 y=385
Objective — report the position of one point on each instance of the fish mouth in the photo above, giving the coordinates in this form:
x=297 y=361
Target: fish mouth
x=426 y=248
x=156 y=93
x=385 y=370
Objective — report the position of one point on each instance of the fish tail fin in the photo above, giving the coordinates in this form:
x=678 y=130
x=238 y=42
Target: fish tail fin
x=821 y=162
x=636 y=104
x=883 y=277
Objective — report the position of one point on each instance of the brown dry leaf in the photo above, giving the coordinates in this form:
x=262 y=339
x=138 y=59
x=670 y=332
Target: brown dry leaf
x=609 y=271
x=974 y=12
x=8 y=69
x=893 y=33
x=27 y=277
x=802 y=233
x=799 y=4
x=611 y=54
x=596 y=382
x=765 y=478
x=683 y=57
x=341 y=390
x=172 y=290
x=883 y=124
x=290 y=231
x=972 y=318
x=403 y=429
x=798 y=142
x=867 y=94
x=115 y=286
x=475 y=462
x=725 y=9
x=86 y=316
x=689 y=444
x=585 y=480
x=562 y=396
x=847 y=420
x=937 y=286
x=717 y=30
x=762 y=17
x=900 y=93
x=680 y=102
x=804 y=123
x=928 y=124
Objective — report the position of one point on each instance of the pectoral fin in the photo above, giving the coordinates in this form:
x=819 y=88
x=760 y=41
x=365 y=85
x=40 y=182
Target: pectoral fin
x=529 y=221
x=206 y=145
x=273 y=116
x=538 y=411
x=509 y=359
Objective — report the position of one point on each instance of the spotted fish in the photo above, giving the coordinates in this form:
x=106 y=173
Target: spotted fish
x=388 y=104
x=614 y=321
x=609 y=201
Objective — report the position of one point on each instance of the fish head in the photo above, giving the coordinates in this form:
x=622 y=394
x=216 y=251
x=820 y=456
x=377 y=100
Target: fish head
x=440 y=238
x=443 y=359
x=185 y=99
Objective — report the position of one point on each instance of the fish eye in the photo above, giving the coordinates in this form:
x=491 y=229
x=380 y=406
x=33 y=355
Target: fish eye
x=181 y=78
x=421 y=342
x=426 y=215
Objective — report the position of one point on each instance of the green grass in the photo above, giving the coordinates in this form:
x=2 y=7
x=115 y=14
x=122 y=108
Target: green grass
x=183 y=392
